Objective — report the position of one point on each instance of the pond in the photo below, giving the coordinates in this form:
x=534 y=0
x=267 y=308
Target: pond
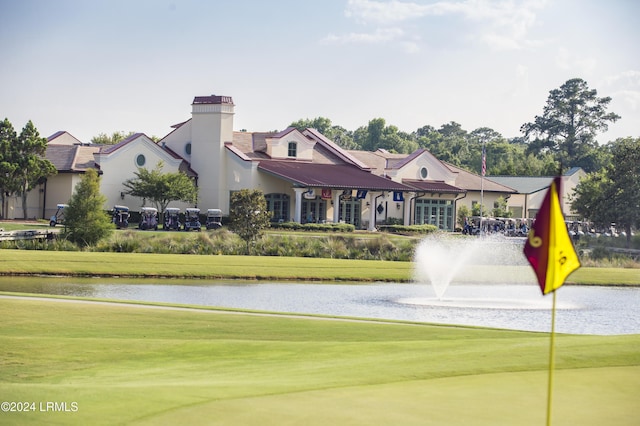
x=580 y=309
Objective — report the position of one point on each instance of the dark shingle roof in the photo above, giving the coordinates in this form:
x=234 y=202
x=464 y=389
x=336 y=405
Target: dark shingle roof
x=341 y=176
x=71 y=158
x=213 y=99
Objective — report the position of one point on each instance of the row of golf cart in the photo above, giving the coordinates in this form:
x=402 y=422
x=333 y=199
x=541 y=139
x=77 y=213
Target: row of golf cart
x=149 y=218
x=174 y=221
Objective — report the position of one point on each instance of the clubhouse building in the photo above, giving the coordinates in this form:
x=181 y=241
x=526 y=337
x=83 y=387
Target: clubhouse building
x=303 y=175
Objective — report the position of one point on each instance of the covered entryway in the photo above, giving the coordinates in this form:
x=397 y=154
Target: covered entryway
x=332 y=192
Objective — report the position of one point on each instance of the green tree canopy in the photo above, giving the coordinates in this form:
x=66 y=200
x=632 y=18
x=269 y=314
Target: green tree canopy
x=114 y=138
x=613 y=194
x=86 y=222
x=161 y=188
x=22 y=162
x=571 y=119
x=8 y=162
x=248 y=215
x=337 y=134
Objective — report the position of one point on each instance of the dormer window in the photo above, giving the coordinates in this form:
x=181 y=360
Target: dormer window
x=292 y=150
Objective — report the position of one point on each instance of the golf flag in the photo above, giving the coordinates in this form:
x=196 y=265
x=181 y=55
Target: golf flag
x=549 y=248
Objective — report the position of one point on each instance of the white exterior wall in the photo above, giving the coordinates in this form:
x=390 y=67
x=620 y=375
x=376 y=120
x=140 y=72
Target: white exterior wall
x=121 y=165
x=569 y=184
x=178 y=140
x=488 y=200
x=60 y=188
x=436 y=171
x=517 y=202
x=211 y=127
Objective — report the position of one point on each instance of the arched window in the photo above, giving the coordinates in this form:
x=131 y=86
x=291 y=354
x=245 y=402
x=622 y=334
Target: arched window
x=293 y=149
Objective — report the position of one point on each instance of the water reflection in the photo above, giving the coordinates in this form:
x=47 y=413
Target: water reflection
x=581 y=310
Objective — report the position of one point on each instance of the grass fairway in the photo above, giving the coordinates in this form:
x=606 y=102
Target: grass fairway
x=34 y=262
x=142 y=365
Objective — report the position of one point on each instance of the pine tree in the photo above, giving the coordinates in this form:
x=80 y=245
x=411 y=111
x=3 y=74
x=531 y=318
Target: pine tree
x=86 y=222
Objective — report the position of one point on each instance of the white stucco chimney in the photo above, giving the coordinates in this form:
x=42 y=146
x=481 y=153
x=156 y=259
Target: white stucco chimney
x=212 y=126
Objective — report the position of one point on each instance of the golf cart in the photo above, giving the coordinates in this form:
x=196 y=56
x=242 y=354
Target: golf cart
x=192 y=219
x=59 y=216
x=171 y=218
x=214 y=218
x=148 y=218
x=120 y=216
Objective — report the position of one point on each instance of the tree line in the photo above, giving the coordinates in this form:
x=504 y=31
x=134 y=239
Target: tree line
x=565 y=134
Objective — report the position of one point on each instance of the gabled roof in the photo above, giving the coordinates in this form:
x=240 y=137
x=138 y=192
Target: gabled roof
x=108 y=149
x=530 y=184
x=409 y=158
x=60 y=136
x=71 y=158
x=282 y=133
x=341 y=176
x=524 y=184
x=334 y=148
x=473 y=182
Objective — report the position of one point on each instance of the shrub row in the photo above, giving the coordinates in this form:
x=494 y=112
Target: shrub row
x=224 y=242
x=318 y=227
x=410 y=229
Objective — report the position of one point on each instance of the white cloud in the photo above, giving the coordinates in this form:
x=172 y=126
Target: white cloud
x=521 y=88
x=384 y=13
x=499 y=24
x=581 y=65
x=626 y=78
x=380 y=35
x=625 y=88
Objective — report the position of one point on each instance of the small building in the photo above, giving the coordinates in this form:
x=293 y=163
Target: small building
x=530 y=191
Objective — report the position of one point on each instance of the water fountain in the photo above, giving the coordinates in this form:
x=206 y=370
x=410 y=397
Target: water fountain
x=441 y=260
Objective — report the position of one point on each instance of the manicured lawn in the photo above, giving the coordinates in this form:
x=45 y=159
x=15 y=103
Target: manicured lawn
x=127 y=364
x=262 y=267
x=20 y=226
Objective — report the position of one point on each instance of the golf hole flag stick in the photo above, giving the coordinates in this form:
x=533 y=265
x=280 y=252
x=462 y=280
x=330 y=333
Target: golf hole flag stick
x=550 y=252
x=549 y=249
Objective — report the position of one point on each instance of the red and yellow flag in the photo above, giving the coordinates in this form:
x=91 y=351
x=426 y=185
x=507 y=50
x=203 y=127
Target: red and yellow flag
x=549 y=248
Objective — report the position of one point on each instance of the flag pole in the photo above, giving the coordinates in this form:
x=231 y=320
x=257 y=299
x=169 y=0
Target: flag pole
x=482 y=173
x=553 y=257
x=552 y=356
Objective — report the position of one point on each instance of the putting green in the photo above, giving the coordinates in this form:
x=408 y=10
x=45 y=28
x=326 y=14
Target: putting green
x=118 y=364
x=598 y=396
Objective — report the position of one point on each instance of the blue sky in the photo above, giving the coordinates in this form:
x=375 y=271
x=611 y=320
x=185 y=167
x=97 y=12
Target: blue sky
x=91 y=67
